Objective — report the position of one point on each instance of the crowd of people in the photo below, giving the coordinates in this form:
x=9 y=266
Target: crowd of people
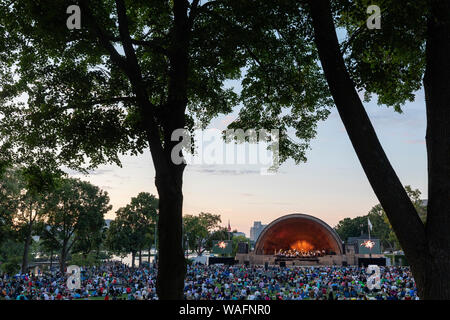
x=296 y=283
x=293 y=253
x=117 y=281
x=111 y=281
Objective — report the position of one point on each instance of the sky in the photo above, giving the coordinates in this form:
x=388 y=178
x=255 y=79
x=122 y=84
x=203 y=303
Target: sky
x=331 y=185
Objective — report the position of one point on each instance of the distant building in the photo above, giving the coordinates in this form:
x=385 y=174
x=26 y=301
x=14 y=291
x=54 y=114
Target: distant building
x=256 y=230
x=238 y=234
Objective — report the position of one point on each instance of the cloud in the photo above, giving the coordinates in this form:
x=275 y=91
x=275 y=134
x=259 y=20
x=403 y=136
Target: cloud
x=218 y=171
x=417 y=141
x=91 y=172
x=100 y=171
x=227 y=120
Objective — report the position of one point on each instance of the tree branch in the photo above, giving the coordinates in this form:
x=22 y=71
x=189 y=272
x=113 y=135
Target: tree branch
x=111 y=100
x=382 y=177
x=103 y=37
x=151 y=44
x=130 y=66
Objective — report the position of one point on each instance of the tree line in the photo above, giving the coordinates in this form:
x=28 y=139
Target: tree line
x=63 y=215
x=46 y=215
x=381 y=228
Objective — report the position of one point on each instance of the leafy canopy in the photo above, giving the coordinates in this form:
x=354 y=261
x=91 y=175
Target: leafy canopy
x=64 y=101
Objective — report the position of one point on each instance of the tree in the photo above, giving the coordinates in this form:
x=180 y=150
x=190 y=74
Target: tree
x=354 y=227
x=426 y=246
x=49 y=242
x=129 y=231
x=22 y=193
x=34 y=185
x=420 y=206
x=117 y=237
x=199 y=230
x=407 y=53
x=382 y=229
x=122 y=83
x=145 y=206
x=9 y=198
x=237 y=240
x=349 y=227
x=76 y=211
x=11 y=252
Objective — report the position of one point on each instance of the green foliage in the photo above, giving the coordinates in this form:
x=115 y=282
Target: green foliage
x=65 y=213
x=236 y=240
x=38 y=180
x=22 y=205
x=78 y=105
x=133 y=228
x=421 y=208
x=283 y=87
x=75 y=219
x=201 y=230
x=49 y=242
x=10 y=256
x=91 y=259
x=9 y=199
x=352 y=227
x=11 y=267
x=388 y=62
x=189 y=262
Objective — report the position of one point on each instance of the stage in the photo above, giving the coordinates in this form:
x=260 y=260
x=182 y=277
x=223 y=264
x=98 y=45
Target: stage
x=328 y=260
x=296 y=234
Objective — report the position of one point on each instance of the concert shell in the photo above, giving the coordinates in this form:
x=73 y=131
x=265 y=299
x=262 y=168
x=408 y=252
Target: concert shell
x=298 y=231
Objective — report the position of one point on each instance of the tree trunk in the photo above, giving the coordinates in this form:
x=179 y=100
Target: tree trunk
x=133 y=257
x=169 y=176
x=436 y=276
x=382 y=177
x=26 y=250
x=28 y=239
x=171 y=262
x=171 y=116
x=51 y=259
x=149 y=253
x=140 y=258
x=63 y=257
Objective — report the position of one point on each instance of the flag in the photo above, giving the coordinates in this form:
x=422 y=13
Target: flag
x=229 y=228
x=369 y=223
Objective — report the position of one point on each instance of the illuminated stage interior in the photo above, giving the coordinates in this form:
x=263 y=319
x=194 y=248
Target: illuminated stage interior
x=298 y=232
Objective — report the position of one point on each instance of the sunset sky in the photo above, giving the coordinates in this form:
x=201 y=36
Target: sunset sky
x=330 y=186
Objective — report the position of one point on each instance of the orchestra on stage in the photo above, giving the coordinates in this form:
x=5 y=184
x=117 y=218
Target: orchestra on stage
x=299 y=254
